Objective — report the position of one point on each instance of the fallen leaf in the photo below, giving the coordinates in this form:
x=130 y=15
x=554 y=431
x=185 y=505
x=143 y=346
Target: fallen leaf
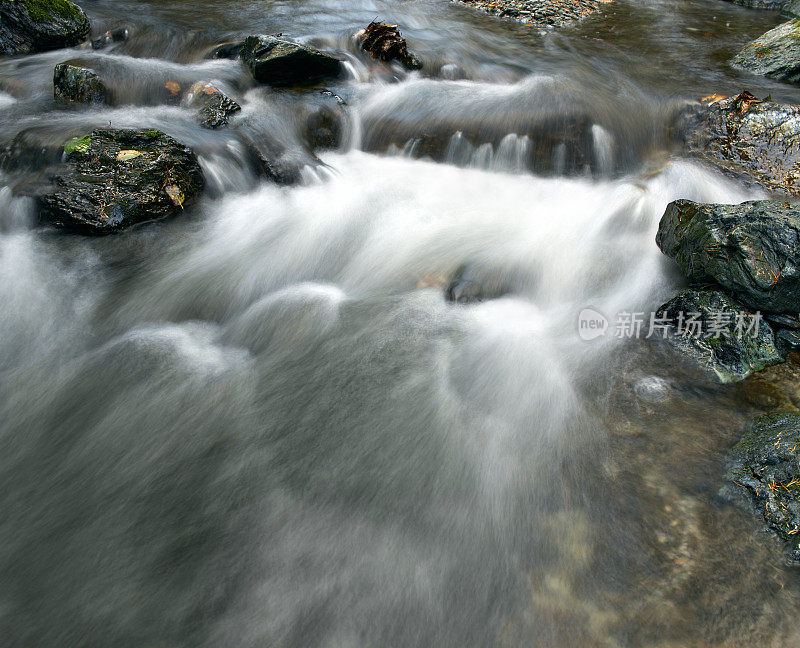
x=175 y=195
x=173 y=87
x=124 y=156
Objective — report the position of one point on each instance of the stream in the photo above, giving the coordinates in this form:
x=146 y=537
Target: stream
x=261 y=424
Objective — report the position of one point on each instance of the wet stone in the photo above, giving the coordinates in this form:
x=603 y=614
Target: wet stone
x=725 y=342
x=215 y=107
x=384 y=43
x=78 y=84
x=113 y=179
x=752 y=249
x=28 y=26
x=764 y=477
x=757 y=141
x=776 y=54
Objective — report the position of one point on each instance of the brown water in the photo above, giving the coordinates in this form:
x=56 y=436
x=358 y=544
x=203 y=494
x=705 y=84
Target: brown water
x=260 y=424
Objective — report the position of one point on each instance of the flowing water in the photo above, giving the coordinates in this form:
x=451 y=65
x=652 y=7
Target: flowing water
x=261 y=424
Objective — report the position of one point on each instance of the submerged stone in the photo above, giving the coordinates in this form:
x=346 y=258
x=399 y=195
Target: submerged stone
x=324 y=122
x=755 y=140
x=776 y=54
x=110 y=37
x=28 y=26
x=717 y=334
x=215 y=107
x=280 y=62
x=751 y=249
x=384 y=43
x=78 y=84
x=765 y=476
x=113 y=179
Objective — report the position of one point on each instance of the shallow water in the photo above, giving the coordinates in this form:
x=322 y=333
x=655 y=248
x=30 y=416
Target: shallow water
x=261 y=424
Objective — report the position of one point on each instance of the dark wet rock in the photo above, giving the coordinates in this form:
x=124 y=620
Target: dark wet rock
x=764 y=476
x=776 y=54
x=754 y=140
x=28 y=26
x=543 y=14
x=717 y=334
x=791 y=9
x=113 y=179
x=78 y=84
x=384 y=43
x=119 y=35
x=752 y=249
x=761 y=4
x=279 y=164
x=470 y=285
x=787 y=340
x=215 y=106
x=280 y=62
x=324 y=122
x=30 y=150
x=229 y=51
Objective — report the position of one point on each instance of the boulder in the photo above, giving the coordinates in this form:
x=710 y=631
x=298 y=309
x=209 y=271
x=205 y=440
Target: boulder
x=324 y=122
x=215 y=106
x=28 y=26
x=751 y=249
x=113 y=179
x=384 y=43
x=75 y=83
x=764 y=476
x=754 y=140
x=791 y=9
x=717 y=334
x=279 y=62
x=775 y=54
x=472 y=285
x=111 y=37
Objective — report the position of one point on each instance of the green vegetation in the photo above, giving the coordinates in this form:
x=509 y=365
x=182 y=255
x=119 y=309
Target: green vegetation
x=78 y=144
x=42 y=10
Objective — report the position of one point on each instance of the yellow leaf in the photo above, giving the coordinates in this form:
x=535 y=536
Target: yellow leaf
x=175 y=195
x=124 y=156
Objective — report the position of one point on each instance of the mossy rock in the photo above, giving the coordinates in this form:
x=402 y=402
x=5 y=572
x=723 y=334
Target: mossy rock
x=752 y=249
x=28 y=26
x=757 y=141
x=77 y=84
x=764 y=476
x=280 y=62
x=775 y=54
x=113 y=179
x=717 y=334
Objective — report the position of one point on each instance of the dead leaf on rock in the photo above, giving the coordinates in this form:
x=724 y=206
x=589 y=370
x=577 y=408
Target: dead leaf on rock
x=173 y=87
x=128 y=154
x=175 y=195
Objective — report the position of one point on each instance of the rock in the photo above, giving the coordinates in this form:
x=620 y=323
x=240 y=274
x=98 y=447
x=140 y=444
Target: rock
x=760 y=4
x=751 y=249
x=229 y=50
x=765 y=476
x=324 y=123
x=754 y=140
x=787 y=341
x=215 y=106
x=113 y=179
x=28 y=26
x=78 y=84
x=542 y=14
x=717 y=333
x=279 y=62
x=275 y=162
x=776 y=54
x=384 y=43
x=118 y=35
x=470 y=286
x=791 y=9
